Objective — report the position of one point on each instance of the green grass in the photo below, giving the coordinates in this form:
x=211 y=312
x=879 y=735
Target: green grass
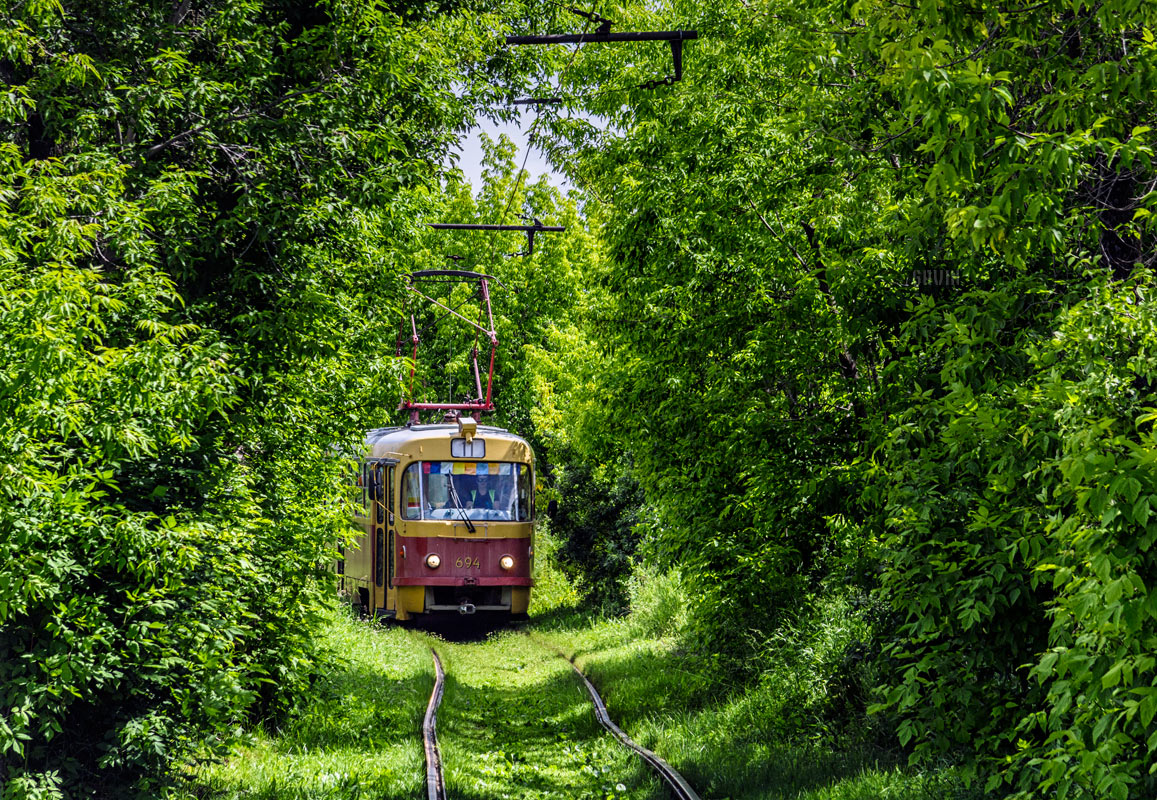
x=516 y=723
x=744 y=744
x=359 y=738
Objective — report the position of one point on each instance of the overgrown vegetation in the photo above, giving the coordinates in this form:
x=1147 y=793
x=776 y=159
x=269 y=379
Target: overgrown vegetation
x=515 y=720
x=736 y=739
x=354 y=736
x=851 y=328
x=877 y=296
x=200 y=209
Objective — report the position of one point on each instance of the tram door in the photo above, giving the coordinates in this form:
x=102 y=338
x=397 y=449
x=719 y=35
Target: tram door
x=378 y=536
x=382 y=523
x=391 y=494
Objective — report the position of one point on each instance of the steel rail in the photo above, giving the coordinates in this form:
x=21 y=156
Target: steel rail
x=435 y=786
x=677 y=783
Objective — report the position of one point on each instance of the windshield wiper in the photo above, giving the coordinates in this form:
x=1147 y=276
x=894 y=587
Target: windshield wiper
x=458 y=505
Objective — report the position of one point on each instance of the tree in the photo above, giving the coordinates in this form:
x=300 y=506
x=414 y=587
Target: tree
x=878 y=284
x=203 y=204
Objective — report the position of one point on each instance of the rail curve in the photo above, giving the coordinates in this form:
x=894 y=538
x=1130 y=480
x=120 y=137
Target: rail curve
x=679 y=786
x=677 y=783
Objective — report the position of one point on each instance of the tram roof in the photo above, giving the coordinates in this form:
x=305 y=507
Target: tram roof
x=411 y=433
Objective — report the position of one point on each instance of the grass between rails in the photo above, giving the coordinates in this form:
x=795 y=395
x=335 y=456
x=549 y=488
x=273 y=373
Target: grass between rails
x=515 y=722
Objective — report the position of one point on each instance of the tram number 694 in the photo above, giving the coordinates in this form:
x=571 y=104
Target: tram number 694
x=468 y=563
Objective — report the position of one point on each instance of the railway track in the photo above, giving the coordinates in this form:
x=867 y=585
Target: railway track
x=436 y=787
x=678 y=786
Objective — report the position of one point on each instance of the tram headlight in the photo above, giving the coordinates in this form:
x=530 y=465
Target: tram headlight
x=506 y=562
x=432 y=561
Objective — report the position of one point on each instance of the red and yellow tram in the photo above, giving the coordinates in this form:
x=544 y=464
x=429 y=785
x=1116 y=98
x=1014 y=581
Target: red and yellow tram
x=445 y=523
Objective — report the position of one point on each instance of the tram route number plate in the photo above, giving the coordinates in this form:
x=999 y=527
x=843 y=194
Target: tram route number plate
x=468 y=563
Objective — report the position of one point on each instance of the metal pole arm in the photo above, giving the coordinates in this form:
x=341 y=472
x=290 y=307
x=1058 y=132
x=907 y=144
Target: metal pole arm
x=529 y=230
x=469 y=226
x=590 y=38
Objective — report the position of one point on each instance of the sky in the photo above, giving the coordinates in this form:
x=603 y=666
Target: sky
x=470 y=161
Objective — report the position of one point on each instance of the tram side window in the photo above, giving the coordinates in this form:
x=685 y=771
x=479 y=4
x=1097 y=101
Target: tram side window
x=391 y=503
x=368 y=483
x=412 y=491
x=525 y=493
x=362 y=508
x=379 y=494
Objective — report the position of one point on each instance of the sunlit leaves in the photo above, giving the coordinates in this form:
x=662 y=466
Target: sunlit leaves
x=946 y=197
x=200 y=217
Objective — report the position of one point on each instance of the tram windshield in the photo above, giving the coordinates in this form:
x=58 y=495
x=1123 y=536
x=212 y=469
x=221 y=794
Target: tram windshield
x=482 y=491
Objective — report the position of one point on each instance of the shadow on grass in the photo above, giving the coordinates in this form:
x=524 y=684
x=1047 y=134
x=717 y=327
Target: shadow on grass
x=562 y=618
x=355 y=708
x=466 y=628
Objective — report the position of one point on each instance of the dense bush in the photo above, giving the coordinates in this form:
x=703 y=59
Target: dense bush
x=597 y=518
x=877 y=293
x=199 y=256
x=1021 y=536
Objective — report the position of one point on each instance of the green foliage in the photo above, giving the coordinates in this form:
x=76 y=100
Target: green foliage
x=1037 y=555
x=122 y=630
x=200 y=271
x=553 y=594
x=876 y=296
x=597 y=519
x=659 y=602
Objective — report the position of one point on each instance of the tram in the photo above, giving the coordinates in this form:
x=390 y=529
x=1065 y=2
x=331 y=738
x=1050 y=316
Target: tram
x=445 y=523
x=445 y=518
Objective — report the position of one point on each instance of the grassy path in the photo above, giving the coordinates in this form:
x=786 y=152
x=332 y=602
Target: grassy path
x=516 y=723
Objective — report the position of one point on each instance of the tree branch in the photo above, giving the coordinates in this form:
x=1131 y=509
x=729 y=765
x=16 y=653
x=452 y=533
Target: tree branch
x=235 y=115
x=771 y=230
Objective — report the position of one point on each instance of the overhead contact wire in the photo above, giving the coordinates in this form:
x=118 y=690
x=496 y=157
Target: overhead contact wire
x=526 y=155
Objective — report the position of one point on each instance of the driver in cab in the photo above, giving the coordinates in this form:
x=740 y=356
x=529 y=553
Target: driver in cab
x=483 y=495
